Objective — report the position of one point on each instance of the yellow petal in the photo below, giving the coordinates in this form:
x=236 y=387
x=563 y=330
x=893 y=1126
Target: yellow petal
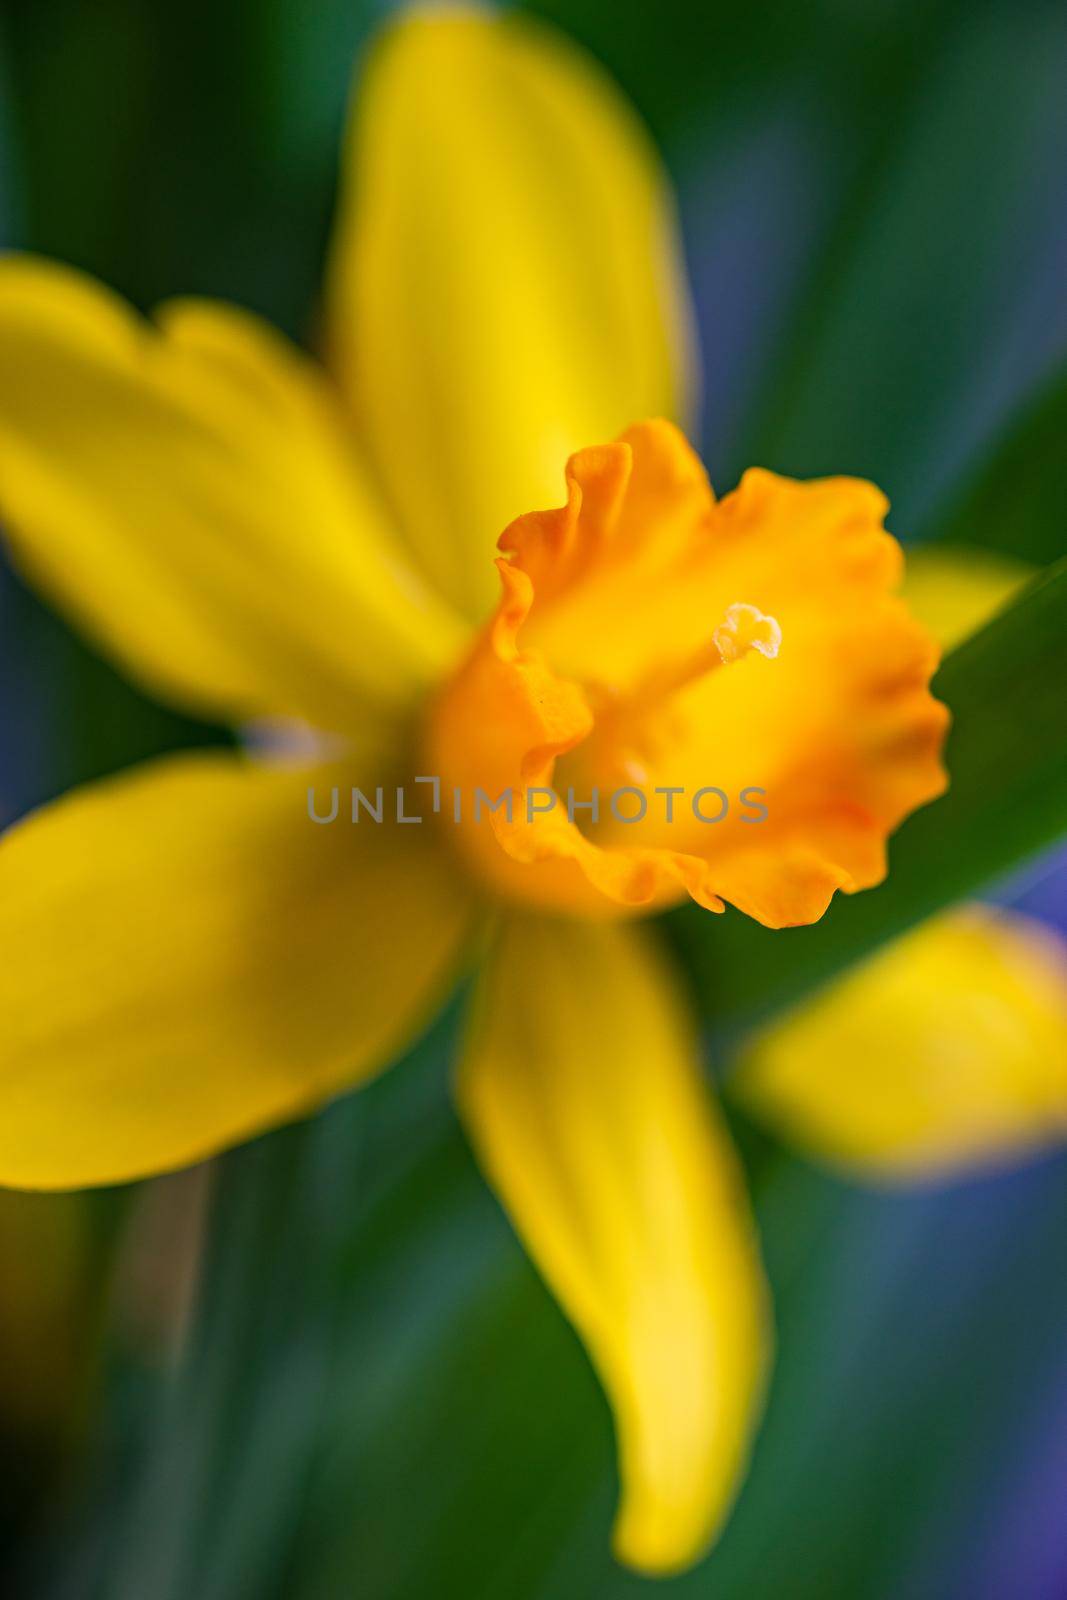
x=954 y=591
x=186 y=958
x=189 y=495
x=947 y=1048
x=506 y=279
x=582 y=1095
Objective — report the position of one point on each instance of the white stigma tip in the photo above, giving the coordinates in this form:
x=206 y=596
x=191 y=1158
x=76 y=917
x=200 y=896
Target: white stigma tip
x=745 y=628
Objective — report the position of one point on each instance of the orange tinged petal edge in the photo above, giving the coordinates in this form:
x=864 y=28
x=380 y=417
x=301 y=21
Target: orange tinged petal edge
x=748 y=654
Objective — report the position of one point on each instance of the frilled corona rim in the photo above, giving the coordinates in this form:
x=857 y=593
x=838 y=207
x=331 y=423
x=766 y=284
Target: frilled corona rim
x=647 y=629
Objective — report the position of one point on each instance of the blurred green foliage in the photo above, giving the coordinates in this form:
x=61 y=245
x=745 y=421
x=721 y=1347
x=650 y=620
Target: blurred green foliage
x=1015 y=500
x=378 y=1397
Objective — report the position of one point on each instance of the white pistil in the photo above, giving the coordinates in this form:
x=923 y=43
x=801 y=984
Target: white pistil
x=745 y=628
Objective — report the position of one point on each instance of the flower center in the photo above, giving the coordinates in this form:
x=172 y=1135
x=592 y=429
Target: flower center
x=743 y=628
x=634 y=730
x=600 y=673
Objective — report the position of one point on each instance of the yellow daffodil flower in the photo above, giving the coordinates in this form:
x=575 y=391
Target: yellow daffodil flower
x=188 y=958
x=944 y=1052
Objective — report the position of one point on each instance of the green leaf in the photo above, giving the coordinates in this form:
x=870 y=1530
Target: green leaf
x=908 y=345
x=1007 y=757
x=1017 y=502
